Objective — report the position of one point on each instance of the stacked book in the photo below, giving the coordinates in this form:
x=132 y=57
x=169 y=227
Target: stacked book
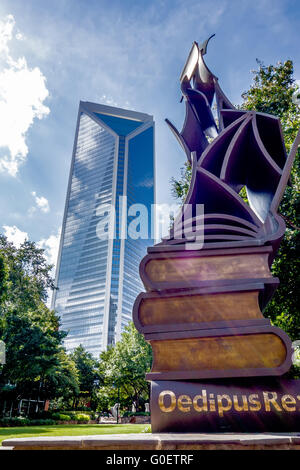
x=202 y=314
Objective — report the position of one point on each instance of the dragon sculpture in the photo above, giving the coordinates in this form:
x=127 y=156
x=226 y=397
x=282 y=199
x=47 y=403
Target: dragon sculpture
x=244 y=149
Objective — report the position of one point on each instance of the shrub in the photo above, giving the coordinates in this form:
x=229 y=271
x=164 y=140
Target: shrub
x=84 y=418
x=61 y=417
x=129 y=414
x=20 y=421
x=84 y=409
x=17 y=421
x=74 y=414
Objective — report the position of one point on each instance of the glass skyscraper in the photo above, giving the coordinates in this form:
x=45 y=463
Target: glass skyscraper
x=111 y=175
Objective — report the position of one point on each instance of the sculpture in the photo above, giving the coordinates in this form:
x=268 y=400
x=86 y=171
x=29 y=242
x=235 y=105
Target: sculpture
x=247 y=151
x=202 y=312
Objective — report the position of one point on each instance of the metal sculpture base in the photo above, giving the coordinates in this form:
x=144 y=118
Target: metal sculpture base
x=203 y=309
x=217 y=362
x=202 y=315
x=234 y=405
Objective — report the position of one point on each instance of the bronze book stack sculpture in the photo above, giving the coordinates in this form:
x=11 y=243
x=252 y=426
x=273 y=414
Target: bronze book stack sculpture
x=208 y=282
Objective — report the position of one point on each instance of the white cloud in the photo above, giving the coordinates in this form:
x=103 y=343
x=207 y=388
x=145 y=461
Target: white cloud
x=15 y=235
x=19 y=36
x=41 y=202
x=51 y=246
x=6 y=29
x=22 y=93
x=108 y=100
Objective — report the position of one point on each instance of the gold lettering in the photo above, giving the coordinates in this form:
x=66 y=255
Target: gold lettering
x=287 y=400
x=271 y=400
x=167 y=402
x=221 y=407
x=162 y=404
x=236 y=405
x=202 y=397
x=212 y=404
x=253 y=401
x=182 y=401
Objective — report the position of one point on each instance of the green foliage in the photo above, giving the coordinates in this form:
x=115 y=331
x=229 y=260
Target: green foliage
x=74 y=414
x=107 y=396
x=3 y=277
x=180 y=188
x=41 y=422
x=128 y=414
x=29 y=275
x=83 y=418
x=36 y=363
x=35 y=360
x=61 y=417
x=17 y=421
x=123 y=368
x=71 y=430
x=21 y=421
x=271 y=92
x=88 y=374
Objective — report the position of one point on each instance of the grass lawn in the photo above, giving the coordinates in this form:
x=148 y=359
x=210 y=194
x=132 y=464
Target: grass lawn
x=72 y=430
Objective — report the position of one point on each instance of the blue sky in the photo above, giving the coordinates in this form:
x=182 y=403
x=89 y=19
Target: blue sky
x=126 y=53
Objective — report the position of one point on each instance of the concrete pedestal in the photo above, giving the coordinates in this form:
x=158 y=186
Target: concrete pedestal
x=157 y=442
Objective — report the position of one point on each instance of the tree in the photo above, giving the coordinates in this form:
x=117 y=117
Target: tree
x=124 y=366
x=3 y=277
x=64 y=379
x=88 y=372
x=29 y=274
x=36 y=363
x=35 y=359
x=272 y=92
x=180 y=188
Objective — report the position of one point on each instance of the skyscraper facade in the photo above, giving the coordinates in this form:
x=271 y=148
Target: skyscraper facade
x=111 y=184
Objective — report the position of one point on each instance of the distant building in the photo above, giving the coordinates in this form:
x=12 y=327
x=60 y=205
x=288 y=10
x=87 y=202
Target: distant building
x=97 y=277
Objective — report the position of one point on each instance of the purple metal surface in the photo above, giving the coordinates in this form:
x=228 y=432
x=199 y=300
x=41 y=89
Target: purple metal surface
x=245 y=150
x=235 y=405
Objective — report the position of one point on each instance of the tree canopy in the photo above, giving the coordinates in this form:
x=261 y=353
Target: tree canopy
x=36 y=363
x=124 y=367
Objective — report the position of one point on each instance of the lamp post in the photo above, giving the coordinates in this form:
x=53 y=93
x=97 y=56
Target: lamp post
x=117 y=384
x=118 y=407
x=95 y=387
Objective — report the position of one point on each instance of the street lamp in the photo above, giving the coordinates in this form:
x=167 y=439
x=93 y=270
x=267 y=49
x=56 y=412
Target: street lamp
x=117 y=384
x=118 y=407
